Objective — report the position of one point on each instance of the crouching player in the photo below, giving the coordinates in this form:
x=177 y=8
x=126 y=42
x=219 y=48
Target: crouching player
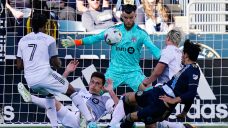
x=98 y=104
x=158 y=103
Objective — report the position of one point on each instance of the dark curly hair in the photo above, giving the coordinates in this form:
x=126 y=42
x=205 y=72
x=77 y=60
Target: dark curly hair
x=38 y=21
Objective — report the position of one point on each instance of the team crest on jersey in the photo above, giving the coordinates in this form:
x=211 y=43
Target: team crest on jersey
x=95 y=100
x=133 y=39
x=139 y=93
x=195 y=77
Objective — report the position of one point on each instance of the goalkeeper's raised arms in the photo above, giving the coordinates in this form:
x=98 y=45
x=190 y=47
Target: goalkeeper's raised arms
x=68 y=42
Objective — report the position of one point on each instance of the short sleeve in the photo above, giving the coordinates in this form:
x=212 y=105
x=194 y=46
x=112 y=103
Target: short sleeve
x=166 y=56
x=52 y=49
x=19 y=52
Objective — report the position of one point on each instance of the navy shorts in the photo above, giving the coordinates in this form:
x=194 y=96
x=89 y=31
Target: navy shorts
x=153 y=109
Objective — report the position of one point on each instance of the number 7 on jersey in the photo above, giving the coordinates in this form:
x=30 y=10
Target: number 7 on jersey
x=33 y=50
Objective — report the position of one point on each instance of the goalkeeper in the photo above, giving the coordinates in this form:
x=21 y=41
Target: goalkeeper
x=98 y=104
x=124 y=65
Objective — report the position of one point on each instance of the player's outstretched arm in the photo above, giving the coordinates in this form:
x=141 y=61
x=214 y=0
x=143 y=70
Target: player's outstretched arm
x=155 y=51
x=68 y=42
x=70 y=67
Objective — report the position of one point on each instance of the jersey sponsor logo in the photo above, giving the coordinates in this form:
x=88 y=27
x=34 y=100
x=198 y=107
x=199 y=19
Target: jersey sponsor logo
x=130 y=50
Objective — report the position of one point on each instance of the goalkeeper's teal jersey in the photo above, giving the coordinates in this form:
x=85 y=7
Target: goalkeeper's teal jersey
x=125 y=55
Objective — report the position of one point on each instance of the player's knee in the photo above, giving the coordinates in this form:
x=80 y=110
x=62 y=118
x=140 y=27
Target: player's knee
x=130 y=98
x=58 y=105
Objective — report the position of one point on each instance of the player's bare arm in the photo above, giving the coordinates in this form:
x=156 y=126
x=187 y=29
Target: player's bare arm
x=55 y=62
x=20 y=65
x=109 y=89
x=70 y=68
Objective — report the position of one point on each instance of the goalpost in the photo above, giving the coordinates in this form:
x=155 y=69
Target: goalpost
x=210 y=107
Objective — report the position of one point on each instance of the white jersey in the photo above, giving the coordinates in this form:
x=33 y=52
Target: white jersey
x=171 y=57
x=96 y=103
x=36 y=50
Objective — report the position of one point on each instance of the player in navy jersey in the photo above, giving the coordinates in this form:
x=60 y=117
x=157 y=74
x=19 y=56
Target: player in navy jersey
x=158 y=103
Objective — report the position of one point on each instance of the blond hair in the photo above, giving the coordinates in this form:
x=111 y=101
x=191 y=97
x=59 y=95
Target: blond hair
x=175 y=36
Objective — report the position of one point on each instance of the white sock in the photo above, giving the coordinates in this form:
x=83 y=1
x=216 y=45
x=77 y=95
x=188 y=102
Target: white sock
x=118 y=113
x=38 y=101
x=81 y=105
x=51 y=111
x=168 y=124
x=68 y=118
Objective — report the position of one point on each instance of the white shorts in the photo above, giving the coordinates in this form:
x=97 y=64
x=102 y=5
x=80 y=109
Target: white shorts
x=54 y=84
x=68 y=118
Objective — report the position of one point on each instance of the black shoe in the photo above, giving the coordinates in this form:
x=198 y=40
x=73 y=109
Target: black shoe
x=187 y=125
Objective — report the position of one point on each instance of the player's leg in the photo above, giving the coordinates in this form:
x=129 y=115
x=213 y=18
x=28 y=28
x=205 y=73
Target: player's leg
x=66 y=117
x=48 y=103
x=56 y=84
x=118 y=113
x=126 y=105
x=51 y=110
x=79 y=102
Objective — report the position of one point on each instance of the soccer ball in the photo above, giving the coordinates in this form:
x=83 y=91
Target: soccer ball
x=112 y=36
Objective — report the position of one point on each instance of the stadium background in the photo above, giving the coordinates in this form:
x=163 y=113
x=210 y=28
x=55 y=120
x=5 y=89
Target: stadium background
x=206 y=112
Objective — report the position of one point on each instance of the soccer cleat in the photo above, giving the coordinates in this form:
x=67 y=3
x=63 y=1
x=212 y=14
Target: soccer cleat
x=187 y=125
x=24 y=92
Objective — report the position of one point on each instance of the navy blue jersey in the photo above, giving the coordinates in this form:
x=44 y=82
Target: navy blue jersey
x=185 y=83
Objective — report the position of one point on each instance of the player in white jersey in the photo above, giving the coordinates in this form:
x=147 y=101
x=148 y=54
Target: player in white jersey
x=35 y=52
x=170 y=61
x=97 y=103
